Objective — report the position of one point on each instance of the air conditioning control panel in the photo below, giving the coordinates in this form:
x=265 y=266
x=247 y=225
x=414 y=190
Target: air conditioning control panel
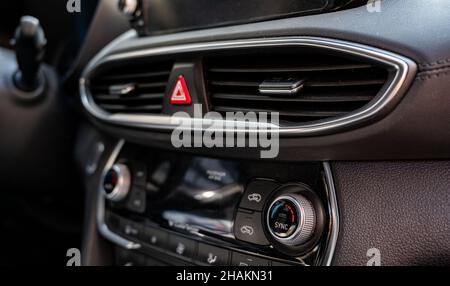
x=177 y=204
x=290 y=217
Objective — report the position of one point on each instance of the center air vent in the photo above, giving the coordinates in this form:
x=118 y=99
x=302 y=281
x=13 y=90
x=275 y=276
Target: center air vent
x=131 y=88
x=317 y=86
x=301 y=86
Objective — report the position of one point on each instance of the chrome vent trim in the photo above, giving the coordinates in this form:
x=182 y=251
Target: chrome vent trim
x=405 y=70
x=333 y=210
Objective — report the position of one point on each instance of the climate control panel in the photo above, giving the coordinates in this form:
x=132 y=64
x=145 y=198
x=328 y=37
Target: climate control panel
x=216 y=203
x=289 y=217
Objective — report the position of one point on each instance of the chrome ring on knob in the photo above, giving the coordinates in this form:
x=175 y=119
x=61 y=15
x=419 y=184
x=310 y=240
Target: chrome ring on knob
x=122 y=186
x=306 y=220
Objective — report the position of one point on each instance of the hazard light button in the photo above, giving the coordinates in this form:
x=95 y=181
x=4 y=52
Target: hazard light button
x=180 y=94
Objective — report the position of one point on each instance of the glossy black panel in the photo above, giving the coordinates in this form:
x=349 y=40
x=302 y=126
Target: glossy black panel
x=175 y=15
x=205 y=197
x=200 y=193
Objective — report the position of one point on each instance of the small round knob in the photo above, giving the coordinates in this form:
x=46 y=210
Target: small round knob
x=116 y=182
x=291 y=219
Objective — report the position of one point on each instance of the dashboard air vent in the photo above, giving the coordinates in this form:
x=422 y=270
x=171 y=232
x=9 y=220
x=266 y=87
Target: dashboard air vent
x=131 y=88
x=302 y=87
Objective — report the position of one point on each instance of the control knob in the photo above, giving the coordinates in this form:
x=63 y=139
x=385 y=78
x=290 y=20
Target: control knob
x=291 y=219
x=116 y=182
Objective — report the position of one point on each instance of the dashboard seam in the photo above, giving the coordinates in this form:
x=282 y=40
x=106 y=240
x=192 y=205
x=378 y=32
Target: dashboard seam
x=432 y=65
x=433 y=73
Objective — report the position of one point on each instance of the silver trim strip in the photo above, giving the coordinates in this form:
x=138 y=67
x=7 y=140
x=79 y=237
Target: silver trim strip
x=334 y=216
x=102 y=227
x=404 y=75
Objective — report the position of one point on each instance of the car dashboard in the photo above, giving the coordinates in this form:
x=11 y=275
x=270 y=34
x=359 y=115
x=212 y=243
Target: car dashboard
x=261 y=133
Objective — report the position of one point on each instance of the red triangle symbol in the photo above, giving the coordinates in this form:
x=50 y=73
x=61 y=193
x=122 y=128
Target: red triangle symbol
x=180 y=94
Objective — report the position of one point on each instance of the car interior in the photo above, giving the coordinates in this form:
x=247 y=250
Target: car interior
x=225 y=133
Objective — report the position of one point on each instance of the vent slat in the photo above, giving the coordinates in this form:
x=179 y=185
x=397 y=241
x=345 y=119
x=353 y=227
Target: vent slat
x=152 y=84
x=312 y=83
x=345 y=83
x=140 y=108
x=288 y=69
x=235 y=83
x=134 y=76
x=306 y=98
x=141 y=97
x=299 y=113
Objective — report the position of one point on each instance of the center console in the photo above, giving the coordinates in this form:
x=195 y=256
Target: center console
x=169 y=208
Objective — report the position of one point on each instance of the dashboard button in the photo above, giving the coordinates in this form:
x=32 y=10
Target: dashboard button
x=139 y=174
x=156 y=237
x=130 y=229
x=256 y=193
x=240 y=259
x=151 y=188
x=212 y=255
x=248 y=227
x=136 y=200
x=182 y=246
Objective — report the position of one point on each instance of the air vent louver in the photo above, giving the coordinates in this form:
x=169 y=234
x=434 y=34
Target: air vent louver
x=131 y=88
x=331 y=85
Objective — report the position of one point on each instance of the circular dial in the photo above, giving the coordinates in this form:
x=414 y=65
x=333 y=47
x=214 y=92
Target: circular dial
x=283 y=218
x=116 y=182
x=291 y=219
